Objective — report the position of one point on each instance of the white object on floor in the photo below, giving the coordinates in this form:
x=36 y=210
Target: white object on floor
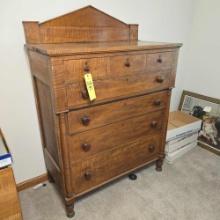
x=182 y=134
x=38 y=186
x=176 y=154
x=178 y=143
x=181 y=124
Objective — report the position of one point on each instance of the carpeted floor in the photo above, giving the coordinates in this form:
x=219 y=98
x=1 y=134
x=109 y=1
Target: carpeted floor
x=189 y=189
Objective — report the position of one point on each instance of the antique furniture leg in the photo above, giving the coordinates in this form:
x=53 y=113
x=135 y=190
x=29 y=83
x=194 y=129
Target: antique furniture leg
x=69 y=204
x=159 y=164
x=50 y=178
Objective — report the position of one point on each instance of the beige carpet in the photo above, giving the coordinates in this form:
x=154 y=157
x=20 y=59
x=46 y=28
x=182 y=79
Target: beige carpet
x=189 y=189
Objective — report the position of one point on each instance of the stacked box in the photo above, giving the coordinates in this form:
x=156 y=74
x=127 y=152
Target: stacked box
x=182 y=134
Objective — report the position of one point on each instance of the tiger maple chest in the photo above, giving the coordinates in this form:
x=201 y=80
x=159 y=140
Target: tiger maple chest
x=95 y=132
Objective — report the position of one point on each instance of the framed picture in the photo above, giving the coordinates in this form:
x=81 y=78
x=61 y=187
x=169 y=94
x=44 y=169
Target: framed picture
x=208 y=110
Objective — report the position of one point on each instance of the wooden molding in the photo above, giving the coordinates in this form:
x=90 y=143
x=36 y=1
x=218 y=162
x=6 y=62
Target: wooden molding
x=32 y=182
x=87 y=24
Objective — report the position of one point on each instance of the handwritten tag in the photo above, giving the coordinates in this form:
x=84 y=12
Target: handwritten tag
x=90 y=86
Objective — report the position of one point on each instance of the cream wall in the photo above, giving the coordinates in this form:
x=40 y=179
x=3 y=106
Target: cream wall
x=202 y=69
x=159 y=20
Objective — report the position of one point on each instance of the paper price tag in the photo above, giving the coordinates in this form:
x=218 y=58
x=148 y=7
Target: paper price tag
x=90 y=86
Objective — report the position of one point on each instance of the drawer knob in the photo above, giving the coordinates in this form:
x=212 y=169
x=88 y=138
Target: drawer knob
x=84 y=94
x=86 y=147
x=151 y=148
x=154 y=124
x=86 y=67
x=127 y=63
x=85 y=120
x=159 y=79
x=159 y=60
x=88 y=175
x=157 y=102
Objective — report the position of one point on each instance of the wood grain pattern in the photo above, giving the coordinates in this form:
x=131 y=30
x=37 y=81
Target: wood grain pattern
x=127 y=64
x=87 y=144
x=85 y=25
x=117 y=111
x=160 y=62
x=9 y=202
x=68 y=49
x=46 y=113
x=108 y=164
x=116 y=88
x=113 y=135
x=75 y=69
x=88 y=16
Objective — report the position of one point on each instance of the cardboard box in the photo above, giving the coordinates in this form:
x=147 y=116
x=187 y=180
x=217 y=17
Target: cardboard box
x=181 y=124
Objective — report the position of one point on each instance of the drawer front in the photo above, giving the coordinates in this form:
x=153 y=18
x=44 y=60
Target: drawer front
x=114 y=135
x=115 y=77
x=85 y=119
x=160 y=62
x=127 y=64
x=109 y=164
x=75 y=69
x=116 y=88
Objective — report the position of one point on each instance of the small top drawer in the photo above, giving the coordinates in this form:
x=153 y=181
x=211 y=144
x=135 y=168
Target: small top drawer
x=159 y=62
x=127 y=64
x=75 y=69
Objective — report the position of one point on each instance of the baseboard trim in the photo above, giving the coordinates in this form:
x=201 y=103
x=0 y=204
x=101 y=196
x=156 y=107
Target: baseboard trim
x=32 y=182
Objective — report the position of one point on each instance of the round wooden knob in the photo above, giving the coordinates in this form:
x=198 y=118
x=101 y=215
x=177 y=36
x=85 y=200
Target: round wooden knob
x=159 y=60
x=151 y=148
x=127 y=63
x=86 y=147
x=85 y=120
x=154 y=124
x=159 y=79
x=84 y=94
x=157 y=102
x=88 y=175
x=86 y=67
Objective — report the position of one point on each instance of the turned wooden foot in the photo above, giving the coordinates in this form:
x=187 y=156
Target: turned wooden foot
x=50 y=178
x=159 y=164
x=70 y=210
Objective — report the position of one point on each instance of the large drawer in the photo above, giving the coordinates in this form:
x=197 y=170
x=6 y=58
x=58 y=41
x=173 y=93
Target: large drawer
x=116 y=88
x=88 y=118
x=114 y=135
x=109 y=164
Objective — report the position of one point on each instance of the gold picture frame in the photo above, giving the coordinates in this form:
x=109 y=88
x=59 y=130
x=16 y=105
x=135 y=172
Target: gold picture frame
x=186 y=105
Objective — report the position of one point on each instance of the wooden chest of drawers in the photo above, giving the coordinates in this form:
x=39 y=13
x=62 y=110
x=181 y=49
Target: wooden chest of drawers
x=89 y=143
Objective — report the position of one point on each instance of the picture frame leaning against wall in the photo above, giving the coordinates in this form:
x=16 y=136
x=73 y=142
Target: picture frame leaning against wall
x=207 y=109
